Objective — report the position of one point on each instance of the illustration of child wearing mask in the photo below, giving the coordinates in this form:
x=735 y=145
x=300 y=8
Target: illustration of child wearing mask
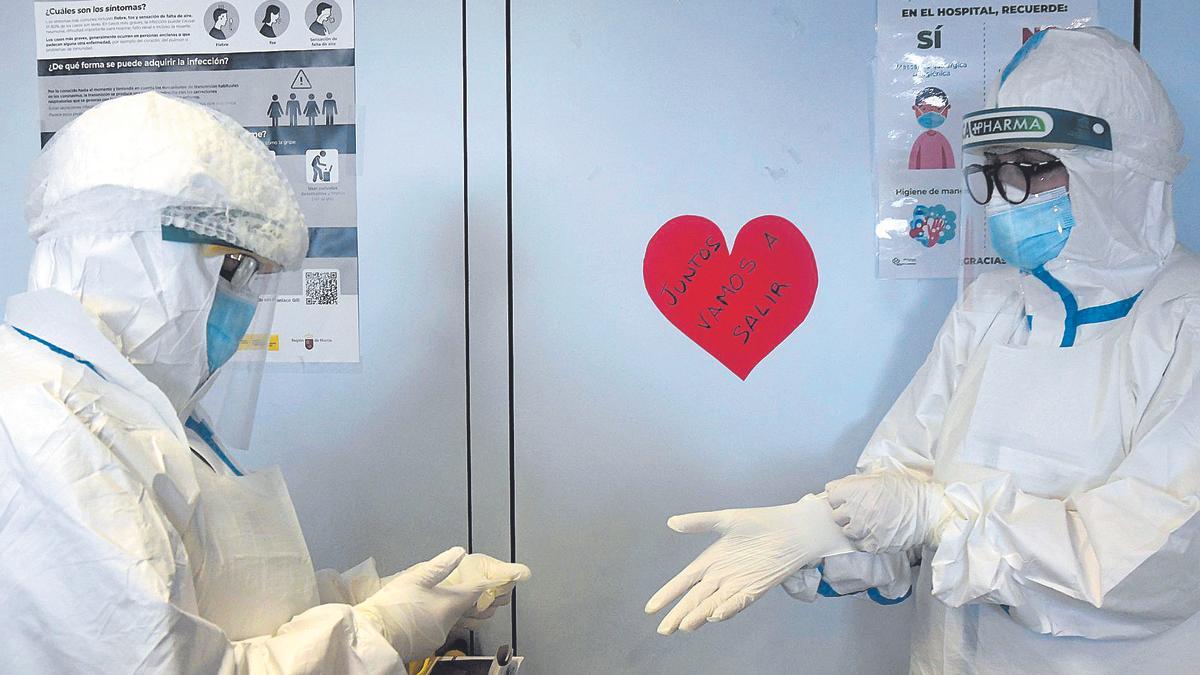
x=931 y=150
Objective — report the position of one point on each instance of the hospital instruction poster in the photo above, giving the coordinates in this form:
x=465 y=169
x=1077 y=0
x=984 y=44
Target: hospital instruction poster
x=934 y=62
x=284 y=69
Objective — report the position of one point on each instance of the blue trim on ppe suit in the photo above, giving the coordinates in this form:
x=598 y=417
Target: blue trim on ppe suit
x=1076 y=317
x=826 y=591
x=1017 y=58
x=58 y=350
x=201 y=429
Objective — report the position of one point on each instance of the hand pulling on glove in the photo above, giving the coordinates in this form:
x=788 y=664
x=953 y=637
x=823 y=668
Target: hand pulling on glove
x=758 y=548
x=889 y=510
x=499 y=577
x=416 y=608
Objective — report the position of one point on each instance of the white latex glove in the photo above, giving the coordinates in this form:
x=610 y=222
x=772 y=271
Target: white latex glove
x=416 y=608
x=500 y=578
x=757 y=550
x=890 y=510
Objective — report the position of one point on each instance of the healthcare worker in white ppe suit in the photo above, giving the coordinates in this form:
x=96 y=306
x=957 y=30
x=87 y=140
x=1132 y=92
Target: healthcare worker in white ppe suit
x=1043 y=466
x=129 y=539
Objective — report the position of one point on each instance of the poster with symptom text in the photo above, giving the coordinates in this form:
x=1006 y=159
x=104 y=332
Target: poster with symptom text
x=284 y=69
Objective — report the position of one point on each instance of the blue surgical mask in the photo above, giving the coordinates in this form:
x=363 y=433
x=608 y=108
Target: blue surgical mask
x=931 y=120
x=1032 y=233
x=228 y=322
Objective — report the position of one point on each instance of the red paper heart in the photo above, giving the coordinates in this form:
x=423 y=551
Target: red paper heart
x=737 y=305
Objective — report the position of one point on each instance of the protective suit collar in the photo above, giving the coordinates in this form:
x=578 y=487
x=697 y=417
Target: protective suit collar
x=1062 y=319
x=61 y=320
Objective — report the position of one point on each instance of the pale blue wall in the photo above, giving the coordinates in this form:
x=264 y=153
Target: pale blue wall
x=605 y=149
x=625 y=115
x=18 y=81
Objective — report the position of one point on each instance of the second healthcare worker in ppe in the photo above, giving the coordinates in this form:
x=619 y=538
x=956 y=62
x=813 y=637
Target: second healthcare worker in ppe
x=1043 y=466
x=129 y=540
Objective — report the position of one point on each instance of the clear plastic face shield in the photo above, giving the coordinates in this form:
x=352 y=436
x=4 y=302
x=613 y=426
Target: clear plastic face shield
x=238 y=337
x=1026 y=203
x=1031 y=175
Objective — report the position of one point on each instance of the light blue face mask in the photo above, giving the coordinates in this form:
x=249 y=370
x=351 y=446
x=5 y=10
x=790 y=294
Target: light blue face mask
x=931 y=120
x=228 y=322
x=1032 y=233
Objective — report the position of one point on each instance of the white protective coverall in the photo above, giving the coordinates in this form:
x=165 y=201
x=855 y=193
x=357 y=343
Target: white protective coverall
x=122 y=549
x=1072 y=473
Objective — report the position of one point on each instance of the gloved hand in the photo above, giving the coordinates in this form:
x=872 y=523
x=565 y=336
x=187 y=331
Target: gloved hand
x=500 y=577
x=889 y=510
x=757 y=550
x=416 y=608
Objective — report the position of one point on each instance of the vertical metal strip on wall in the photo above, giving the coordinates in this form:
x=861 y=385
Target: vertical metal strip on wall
x=1137 y=24
x=490 y=269
x=467 y=281
x=512 y=418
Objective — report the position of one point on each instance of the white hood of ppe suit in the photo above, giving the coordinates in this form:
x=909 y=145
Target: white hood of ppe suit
x=99 y=195
x=1121 y=199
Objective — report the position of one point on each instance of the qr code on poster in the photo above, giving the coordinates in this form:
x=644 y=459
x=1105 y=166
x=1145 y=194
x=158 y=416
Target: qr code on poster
x=321 y=287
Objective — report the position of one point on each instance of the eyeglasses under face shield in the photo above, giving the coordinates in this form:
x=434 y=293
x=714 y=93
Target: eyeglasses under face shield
x=1013 y=179
x=1012 y=138
x=239 y=268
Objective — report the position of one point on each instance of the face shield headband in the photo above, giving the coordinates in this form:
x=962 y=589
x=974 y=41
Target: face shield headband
x=1037 y=128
